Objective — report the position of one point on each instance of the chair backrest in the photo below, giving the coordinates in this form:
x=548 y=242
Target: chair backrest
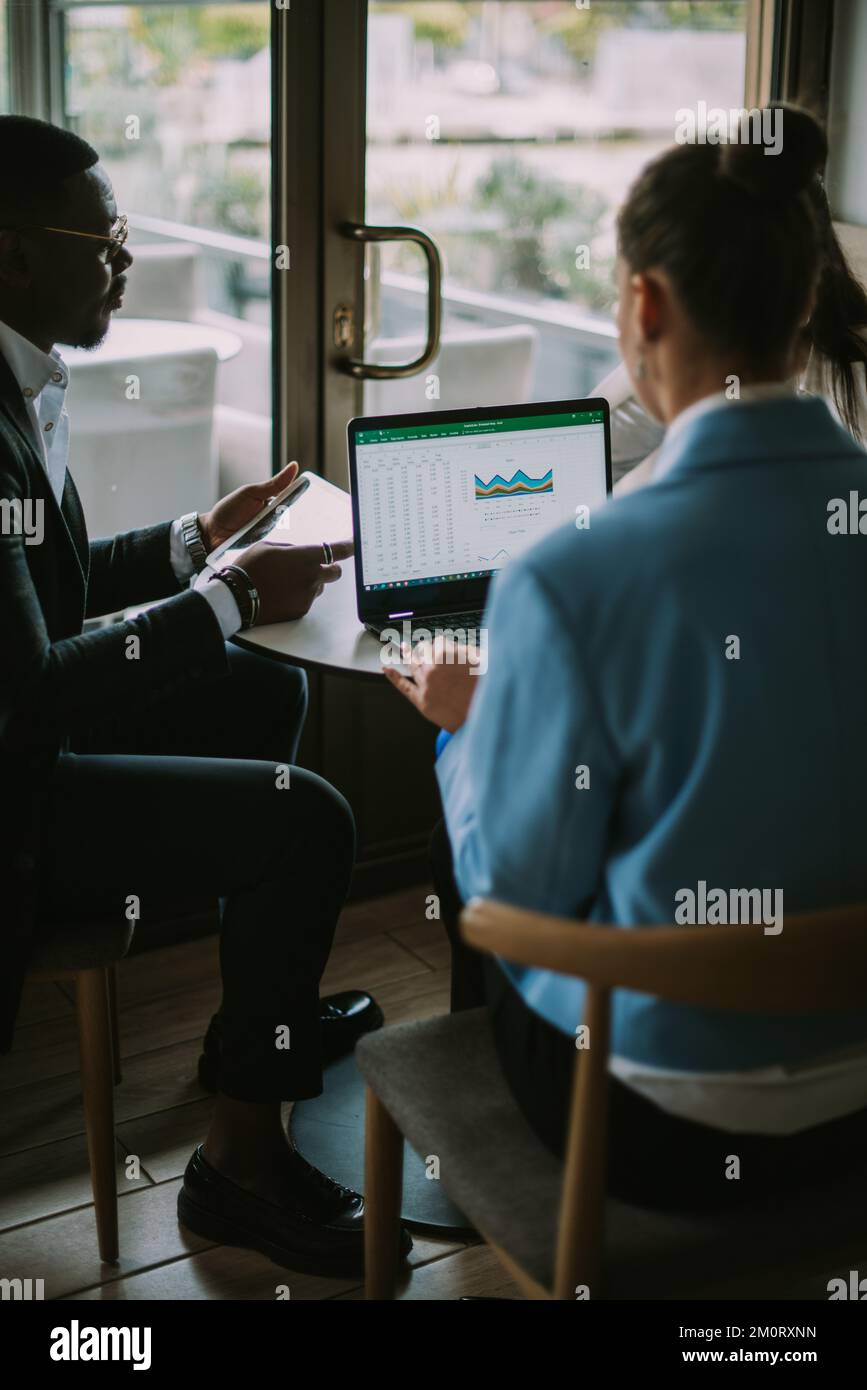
x=483 y=366
x=817 y=962
x=138 y=461
x=163 y=282
x=243 y=447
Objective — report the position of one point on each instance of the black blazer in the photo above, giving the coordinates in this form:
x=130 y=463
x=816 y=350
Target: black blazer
x=54 y=678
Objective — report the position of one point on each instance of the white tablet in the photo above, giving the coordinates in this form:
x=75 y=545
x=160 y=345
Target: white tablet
x=307 y=512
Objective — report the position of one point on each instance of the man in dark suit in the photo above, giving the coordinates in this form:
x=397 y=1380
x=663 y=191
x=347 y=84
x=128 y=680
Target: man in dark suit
x=146 y=763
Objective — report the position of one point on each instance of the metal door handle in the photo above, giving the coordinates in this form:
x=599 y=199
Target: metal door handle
x=374 y=371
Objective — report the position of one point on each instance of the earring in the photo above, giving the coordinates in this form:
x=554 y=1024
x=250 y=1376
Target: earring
x=641 y=369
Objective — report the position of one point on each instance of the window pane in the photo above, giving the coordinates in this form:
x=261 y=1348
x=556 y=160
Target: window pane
x=176 y=99
x=511 y=132
x=4 y=63
x=847 y=178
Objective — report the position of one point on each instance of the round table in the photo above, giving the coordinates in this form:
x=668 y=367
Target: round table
x=330 y=637
x=130 y=337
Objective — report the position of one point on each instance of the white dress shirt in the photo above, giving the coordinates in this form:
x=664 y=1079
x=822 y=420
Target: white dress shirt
x=761 y=391
x=218 y=594
x=44 y=378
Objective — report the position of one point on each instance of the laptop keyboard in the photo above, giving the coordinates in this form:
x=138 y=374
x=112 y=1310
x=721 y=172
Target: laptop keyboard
x=453 y=621
x=436 y=623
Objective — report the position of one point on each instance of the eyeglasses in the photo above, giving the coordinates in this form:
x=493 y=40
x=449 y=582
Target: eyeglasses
x=111 y=244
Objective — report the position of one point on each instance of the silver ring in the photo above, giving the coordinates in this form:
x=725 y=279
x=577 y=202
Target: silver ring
x=328 y=553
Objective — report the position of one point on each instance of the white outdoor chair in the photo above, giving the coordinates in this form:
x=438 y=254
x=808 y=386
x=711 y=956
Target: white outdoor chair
x=486 y=366
x=139 y=461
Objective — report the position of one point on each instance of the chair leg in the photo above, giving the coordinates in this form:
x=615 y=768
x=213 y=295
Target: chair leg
x=383 y=1189
x=578 y=1257
x=97 y=1086
x=115 y=1029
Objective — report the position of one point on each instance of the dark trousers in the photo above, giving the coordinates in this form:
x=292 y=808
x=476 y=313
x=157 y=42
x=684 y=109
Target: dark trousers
x=153 y=814
x=653 y=1158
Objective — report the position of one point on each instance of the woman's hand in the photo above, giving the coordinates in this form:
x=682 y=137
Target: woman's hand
x=442 y=681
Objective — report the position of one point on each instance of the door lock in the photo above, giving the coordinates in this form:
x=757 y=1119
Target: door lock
x=344 y=326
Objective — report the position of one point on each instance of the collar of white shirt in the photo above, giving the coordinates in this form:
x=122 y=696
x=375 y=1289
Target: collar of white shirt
x=749 y=395
x=31 y=367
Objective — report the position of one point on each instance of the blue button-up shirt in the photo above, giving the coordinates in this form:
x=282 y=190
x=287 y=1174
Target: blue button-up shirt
x=610 y=650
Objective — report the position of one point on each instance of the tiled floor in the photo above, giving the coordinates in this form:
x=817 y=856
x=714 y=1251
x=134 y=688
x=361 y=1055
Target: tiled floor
x=47 y=1228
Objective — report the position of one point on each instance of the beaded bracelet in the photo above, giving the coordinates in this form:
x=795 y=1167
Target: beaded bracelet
x=244 y=591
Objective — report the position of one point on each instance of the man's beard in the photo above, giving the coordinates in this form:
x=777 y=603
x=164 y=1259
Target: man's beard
x=92 y=337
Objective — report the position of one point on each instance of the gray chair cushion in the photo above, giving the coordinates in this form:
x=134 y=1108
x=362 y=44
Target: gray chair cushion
x=441 y=1081
x=81 y=946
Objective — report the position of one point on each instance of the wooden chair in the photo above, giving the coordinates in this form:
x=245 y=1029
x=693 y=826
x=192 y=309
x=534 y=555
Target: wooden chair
x=88 y=955
x=438 y=1082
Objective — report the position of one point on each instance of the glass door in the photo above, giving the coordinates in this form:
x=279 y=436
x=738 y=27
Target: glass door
x=360 y=734
x=506 y=132
x=510 y=130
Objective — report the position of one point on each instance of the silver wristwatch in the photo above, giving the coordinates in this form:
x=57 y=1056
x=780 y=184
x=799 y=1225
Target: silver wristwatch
x=192 y=534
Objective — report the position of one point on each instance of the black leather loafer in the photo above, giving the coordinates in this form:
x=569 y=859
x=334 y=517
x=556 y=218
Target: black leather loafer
x=345 y=1017
x=319 y=1231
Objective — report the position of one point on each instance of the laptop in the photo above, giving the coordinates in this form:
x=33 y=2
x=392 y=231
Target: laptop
x=442 y=500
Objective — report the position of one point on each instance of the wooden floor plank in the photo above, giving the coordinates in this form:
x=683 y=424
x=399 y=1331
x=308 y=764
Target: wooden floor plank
x=165 y=1140
x=427 y=940
x=361 y=921
x=170 y=970
x=54 y=1178
x=377 y=915
x=473 y=1271
x=144 y=1024
x=41 y=1050
x=223 y=1272
x=419 y=996
x=50 y=1110
x=62 y=1249
x=39 y=1002
x=369 y=965
x=218 y=1273
x=405 y=907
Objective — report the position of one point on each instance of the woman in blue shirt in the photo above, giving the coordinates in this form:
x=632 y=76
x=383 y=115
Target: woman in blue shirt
x=697 y=652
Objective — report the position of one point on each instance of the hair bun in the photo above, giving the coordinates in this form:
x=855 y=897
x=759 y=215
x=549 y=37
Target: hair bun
x=780 y=164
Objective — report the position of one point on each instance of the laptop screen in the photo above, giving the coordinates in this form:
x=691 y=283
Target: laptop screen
x=445 y=499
